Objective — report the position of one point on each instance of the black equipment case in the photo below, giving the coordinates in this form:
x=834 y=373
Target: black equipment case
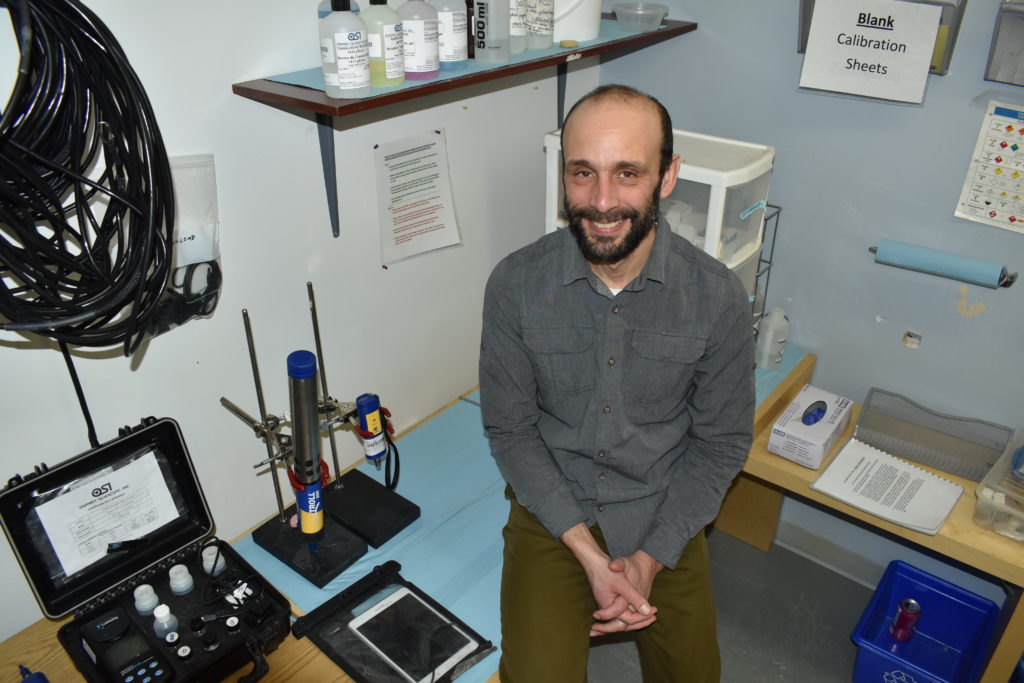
x=91 y=530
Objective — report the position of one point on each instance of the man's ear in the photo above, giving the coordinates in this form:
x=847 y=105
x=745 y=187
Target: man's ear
x=668 y=180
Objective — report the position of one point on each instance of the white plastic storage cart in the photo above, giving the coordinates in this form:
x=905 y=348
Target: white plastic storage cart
x=718 y=203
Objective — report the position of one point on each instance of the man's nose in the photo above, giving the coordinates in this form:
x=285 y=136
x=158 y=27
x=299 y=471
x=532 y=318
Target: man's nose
x=605 y=195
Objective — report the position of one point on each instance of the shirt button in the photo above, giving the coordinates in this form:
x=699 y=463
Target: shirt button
x=601 y=476
x=600 y=508
x=615 y=309
x=611 y=361
x=607 y=409
x=600 y=454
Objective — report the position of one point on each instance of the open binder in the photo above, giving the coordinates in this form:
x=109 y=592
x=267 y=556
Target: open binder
x=887 y=487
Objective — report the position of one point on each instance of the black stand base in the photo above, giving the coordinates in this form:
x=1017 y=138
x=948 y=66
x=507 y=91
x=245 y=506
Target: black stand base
x=337 y=548
x=367 y=508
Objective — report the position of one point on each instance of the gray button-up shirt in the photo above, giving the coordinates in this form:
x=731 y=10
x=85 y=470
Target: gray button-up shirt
x=634 y=411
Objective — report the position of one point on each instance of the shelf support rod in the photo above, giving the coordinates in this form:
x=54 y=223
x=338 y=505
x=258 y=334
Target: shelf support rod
x=325 y=131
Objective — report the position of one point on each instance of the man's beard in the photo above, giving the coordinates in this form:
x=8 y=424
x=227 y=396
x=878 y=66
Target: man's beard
x=601 y=249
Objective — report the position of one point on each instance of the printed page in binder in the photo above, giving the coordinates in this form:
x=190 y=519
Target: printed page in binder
x=893 y=489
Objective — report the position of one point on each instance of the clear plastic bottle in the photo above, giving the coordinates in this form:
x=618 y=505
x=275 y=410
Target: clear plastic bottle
x=180 y=580
x=419 y=40
x=491 y=23
x=384 y=33
x=451 y=34
x=344 y=52
x=163 y=621
x=540 y=24
x=145 y=599
x=772 y=333
x=517 y=26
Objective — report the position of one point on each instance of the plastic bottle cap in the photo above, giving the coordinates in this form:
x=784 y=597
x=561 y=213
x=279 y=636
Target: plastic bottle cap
x=301 y=364
x=341 y=6
x=162 y=612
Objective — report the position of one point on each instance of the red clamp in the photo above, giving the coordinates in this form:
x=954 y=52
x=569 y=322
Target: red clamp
x=325 y=475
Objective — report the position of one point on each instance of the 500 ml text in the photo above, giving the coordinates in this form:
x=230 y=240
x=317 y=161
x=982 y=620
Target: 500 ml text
x=480 y=25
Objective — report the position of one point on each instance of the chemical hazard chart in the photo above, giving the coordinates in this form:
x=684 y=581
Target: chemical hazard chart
x=993 y=191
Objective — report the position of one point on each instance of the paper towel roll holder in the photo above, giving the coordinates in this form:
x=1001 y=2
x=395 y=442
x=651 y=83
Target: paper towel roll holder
x=1005 y=279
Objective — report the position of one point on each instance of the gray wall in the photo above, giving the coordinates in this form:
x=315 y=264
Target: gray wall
x=849 y=172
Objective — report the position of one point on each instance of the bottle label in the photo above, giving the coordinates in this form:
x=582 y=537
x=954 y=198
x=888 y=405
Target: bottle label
x=353 y=55
x=451 y=36
x=419 y=40
x=327 y=51
x=394 y=60
x=517 y=27
x=374 y=42
x=540 y=16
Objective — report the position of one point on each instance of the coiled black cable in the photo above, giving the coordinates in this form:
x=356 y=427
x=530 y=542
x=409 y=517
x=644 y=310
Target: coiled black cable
x=86 y=198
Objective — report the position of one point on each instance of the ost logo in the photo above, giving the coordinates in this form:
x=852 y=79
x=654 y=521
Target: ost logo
x=100 y=490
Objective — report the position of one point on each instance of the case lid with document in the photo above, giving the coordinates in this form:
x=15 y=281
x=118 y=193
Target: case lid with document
x=84 y=528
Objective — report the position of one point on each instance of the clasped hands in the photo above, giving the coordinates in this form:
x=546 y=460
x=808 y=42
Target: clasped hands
x=621 y=586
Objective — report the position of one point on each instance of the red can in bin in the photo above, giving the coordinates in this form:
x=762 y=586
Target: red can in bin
x=907 y=614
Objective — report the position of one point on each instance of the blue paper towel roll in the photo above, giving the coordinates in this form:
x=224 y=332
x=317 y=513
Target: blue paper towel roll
x=942 y=263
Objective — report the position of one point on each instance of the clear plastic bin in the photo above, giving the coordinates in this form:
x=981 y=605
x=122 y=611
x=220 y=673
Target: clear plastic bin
x=1000 y=505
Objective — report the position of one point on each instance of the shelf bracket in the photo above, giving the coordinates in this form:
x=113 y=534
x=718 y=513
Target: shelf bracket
x=325 y=131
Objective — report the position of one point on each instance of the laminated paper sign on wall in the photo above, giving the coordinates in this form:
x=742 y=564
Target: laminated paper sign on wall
x=810 y=426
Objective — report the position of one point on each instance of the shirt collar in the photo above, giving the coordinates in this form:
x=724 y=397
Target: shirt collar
x=575 y=267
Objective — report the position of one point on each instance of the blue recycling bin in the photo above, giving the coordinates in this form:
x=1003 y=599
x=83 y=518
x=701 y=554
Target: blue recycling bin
x=951 y=638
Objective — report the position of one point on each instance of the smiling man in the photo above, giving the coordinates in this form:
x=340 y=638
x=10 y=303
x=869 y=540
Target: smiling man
x=616 y=377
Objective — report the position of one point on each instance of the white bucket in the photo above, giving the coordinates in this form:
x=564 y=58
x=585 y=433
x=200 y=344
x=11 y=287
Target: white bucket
x=578 y=20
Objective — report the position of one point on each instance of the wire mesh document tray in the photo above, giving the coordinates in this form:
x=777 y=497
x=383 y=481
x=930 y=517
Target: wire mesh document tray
x=962 y=446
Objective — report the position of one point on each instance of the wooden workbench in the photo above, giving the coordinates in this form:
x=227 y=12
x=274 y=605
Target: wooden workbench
x=750 y=513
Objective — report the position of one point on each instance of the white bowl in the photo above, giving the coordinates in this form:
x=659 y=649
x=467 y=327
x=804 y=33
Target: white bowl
x=639 y=17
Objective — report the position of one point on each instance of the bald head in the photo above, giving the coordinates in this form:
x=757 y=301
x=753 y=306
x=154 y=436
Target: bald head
x=631 y=97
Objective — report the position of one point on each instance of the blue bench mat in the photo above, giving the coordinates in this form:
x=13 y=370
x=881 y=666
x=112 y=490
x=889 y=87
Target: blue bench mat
x=453 y=551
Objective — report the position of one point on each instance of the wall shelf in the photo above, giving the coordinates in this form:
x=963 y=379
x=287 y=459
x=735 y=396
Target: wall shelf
x=302 y=90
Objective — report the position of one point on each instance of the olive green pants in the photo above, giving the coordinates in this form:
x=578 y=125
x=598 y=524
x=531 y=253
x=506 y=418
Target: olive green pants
x=547 y=607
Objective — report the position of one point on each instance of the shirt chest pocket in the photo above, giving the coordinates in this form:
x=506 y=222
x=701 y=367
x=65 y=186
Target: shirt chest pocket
x=660 y=365
x=563 y=358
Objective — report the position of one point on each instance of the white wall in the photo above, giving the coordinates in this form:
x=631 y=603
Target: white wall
x=409 y=333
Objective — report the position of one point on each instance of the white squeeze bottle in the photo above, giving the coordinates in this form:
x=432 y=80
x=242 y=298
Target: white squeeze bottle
x=419 y=40
x=451 y=34
x=384 y=35
x=517 y=27
x=491 y=22
x=772 y=333
x=344 y=52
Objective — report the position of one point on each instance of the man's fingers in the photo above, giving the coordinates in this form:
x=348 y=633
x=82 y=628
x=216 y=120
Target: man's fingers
x=618 y=606
x=618 y=626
